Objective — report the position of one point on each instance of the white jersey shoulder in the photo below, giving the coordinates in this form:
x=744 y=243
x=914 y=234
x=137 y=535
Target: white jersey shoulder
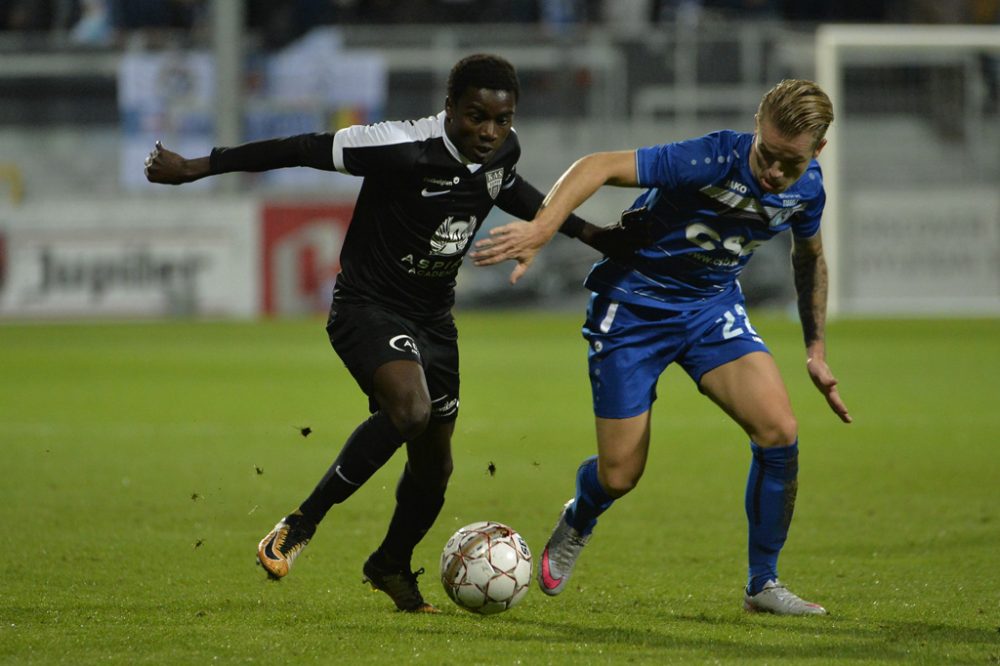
x=384 y=134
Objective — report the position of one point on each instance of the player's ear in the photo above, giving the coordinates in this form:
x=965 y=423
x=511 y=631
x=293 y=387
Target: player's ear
x=449 y=108
x=819 y=147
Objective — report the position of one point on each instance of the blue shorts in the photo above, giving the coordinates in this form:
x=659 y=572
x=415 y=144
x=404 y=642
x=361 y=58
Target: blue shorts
x=631 y=346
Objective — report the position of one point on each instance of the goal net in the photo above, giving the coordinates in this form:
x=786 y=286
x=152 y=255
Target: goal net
x=912 y=168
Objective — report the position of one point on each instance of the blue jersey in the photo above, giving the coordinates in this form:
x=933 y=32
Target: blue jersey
x=707 y=214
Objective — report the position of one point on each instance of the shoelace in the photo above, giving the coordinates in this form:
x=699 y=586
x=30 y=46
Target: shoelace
x=295 y=540
x=781 y=592
x=403 y=577
x=785 y=596
x=404 y=586
x=293 y=551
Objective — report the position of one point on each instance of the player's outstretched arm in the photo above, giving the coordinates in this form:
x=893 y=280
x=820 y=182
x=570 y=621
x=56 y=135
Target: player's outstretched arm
x=521 y=241
x=168 y=168
x=522 y=200
x=308 y=150
x=811 y=281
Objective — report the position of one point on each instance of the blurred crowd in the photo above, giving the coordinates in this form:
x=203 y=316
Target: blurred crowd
x=100 y=22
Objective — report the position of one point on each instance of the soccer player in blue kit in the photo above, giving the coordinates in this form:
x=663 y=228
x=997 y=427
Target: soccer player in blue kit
x=709 y=202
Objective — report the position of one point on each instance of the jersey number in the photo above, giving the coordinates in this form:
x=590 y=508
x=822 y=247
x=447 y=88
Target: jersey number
x=708 y=238
x=730 y=330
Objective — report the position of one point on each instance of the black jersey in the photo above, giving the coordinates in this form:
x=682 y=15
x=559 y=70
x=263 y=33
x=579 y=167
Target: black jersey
x=419 y=207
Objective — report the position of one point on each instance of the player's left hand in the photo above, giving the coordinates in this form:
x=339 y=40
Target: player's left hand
x=824 y=380
x=517 y=240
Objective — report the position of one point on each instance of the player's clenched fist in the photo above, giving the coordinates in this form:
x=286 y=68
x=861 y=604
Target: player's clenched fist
x=168 y=168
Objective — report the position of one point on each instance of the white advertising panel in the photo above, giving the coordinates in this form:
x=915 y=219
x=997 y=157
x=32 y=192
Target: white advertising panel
x=129 y=259
x=164 y=97
x=312 y=85
x=927 y=252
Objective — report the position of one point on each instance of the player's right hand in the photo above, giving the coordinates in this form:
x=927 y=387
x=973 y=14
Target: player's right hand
x=516 y=240
x=165 y=166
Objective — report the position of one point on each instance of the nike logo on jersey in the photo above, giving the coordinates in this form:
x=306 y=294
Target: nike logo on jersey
x=436 y=193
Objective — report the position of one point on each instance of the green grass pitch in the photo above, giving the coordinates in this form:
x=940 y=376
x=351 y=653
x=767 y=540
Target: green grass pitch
x=142 y=462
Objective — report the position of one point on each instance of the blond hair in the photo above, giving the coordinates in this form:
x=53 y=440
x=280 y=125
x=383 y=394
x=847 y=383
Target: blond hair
x=797 y=106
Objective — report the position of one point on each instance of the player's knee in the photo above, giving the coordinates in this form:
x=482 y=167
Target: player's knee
x=619 y=482
x=779 y=432
x=410 y=417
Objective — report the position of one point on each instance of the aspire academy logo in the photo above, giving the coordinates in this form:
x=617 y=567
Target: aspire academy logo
x=452 y=236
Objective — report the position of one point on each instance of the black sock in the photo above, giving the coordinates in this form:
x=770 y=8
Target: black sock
x=416 y=510
x=368 y=448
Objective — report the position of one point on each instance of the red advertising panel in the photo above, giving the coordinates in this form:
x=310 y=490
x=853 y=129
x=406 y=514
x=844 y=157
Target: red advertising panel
x=301 y=255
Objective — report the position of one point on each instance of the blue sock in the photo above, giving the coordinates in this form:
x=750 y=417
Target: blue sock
x=591 y=499
x=770 y=501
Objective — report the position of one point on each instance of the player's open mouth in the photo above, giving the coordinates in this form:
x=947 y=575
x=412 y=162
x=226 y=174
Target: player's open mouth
x=484 y=151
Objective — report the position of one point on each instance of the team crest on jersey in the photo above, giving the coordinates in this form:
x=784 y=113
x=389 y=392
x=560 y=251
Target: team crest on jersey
x=781 y=215
x=493 y=181
x=452 y=236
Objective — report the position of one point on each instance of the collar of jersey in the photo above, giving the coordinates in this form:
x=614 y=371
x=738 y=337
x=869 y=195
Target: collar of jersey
x=473 y=167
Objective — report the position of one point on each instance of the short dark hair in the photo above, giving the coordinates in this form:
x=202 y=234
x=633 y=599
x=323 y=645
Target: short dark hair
x=482 y=70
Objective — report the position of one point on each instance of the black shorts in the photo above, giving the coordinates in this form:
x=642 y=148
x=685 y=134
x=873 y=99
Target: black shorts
x=366 y=337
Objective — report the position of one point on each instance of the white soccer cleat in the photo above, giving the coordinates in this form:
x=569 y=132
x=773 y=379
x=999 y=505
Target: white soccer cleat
x=560 y=555
x=776 y=598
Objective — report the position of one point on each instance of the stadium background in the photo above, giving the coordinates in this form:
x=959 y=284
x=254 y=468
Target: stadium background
x=89 y=86
x=152 y=414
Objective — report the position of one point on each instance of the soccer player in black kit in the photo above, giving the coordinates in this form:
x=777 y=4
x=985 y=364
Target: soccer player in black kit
x=428 y=185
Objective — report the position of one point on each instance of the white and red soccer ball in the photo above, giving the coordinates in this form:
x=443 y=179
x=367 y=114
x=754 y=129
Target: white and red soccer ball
x=486 y=567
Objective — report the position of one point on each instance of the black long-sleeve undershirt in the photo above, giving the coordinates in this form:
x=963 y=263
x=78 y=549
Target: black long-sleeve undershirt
x=302 y=150
x=315 y=150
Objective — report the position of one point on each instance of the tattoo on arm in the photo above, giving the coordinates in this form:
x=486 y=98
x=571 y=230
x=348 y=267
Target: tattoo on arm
x=811 y=287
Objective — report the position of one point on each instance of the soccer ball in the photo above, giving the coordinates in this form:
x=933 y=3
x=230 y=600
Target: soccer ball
x=486 y=567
